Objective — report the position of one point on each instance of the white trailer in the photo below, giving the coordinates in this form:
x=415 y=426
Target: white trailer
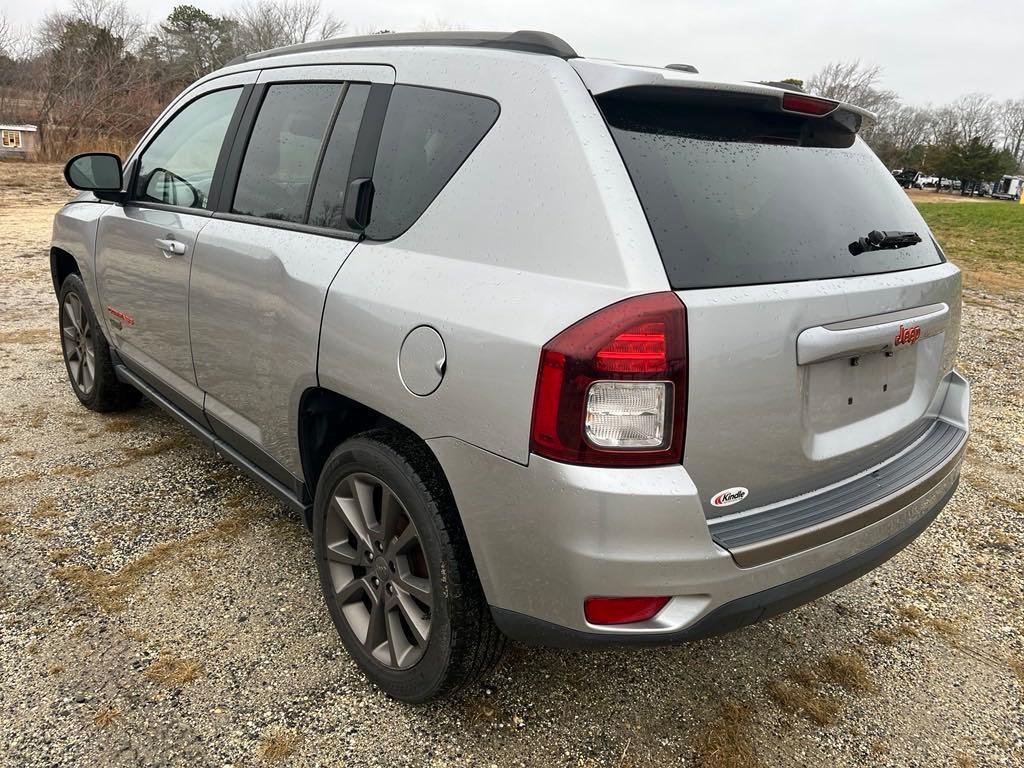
x=1008 y=188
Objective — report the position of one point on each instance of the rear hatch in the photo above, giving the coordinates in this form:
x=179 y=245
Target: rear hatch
x=808 y=362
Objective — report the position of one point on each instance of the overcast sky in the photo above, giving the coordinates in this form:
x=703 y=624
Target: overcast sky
x=930 y=50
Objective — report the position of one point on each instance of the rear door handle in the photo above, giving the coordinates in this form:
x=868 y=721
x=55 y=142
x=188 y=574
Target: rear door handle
x=869 y=334
x=170 y=247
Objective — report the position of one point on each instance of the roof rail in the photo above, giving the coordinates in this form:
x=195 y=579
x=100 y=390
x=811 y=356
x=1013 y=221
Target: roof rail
x=524 y=40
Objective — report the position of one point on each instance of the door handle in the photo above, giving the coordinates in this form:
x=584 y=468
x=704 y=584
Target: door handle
x=170 y=247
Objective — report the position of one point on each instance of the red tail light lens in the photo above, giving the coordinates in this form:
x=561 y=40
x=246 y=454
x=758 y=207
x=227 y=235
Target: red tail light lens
x=622 y=610
x=638 y=350
x=642 y=341
x=808 y=105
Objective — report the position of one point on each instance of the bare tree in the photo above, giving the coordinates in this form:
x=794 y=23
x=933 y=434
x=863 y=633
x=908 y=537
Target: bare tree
x=90 y=86
x=6 y=37
x=438 y=24
x=852 y=82
x=902 y=129
x=974 y=116
x=1011 y=125
x=264 y=24
x=112 y=15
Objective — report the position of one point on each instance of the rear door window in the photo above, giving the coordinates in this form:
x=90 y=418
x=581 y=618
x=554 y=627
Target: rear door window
x=277 y=172
x=427 y=135
x=742 y=197
x=329 y=195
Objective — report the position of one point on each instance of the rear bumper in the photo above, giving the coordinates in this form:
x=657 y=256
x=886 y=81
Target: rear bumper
x=734 y=614
x=547 y=536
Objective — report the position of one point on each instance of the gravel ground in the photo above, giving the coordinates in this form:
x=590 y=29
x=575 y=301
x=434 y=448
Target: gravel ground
x=158 y=608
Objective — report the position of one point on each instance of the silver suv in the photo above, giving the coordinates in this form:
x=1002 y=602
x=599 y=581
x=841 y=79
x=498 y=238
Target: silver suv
x=540 y=346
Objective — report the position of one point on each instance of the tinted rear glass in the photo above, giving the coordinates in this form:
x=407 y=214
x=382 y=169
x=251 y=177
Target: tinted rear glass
x=329 y=196
x=277 y=171
x=741 y=197
x=427 y=135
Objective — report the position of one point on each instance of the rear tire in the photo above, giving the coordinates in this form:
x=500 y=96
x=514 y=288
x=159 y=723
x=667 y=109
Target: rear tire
x=87 y=354
x=376 y=491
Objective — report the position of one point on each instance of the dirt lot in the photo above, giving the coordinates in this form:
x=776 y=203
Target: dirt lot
x=156 y=607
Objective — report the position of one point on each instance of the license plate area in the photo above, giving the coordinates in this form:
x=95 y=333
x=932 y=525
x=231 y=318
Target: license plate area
x=852 y=402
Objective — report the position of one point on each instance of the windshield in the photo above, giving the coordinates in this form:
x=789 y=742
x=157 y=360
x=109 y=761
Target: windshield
x=741 y=197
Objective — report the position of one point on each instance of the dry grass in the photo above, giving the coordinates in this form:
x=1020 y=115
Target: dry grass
x=27 y=336
x=6 y=526
x=62 y=555
x=103 y=548
x=800 y=700
x=132 y=455
x=911 y=612
x=37 y=418
x=847 y=671
x=727 y=741
x=137 y=635
x=879 y=747
x=45 y=507
x=25 y=477
x=945 y=626
x=963 y=760
x=173 y=672
x=1017 y=665
x=801 y=693
x=278 y=745
x=107 y=717
x=120 y=424
x=883 y=636
x=109 y=591
x=161 y=445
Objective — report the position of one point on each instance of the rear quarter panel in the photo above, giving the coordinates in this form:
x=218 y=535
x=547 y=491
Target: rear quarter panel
x=539 y=228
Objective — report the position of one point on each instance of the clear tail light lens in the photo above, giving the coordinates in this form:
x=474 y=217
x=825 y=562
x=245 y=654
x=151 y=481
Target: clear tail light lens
x=611 y=389
x=628 y=414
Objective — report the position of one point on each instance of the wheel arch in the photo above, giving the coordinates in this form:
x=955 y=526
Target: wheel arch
x=62 y=264
x=326 y=419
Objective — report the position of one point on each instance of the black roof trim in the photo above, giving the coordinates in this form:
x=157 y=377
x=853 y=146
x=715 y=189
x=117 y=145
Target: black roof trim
x=524 y=40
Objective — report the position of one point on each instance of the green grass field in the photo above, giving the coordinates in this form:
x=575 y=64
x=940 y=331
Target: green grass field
x=990 y=232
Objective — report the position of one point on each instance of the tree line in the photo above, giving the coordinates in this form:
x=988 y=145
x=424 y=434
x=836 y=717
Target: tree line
x=95 y=76
x=973 y=138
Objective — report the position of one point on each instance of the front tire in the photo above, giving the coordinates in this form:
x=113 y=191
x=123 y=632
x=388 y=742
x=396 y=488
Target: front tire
x=396 y=571
x=86 y=353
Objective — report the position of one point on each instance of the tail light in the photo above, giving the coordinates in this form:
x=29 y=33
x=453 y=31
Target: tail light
x=611 y=389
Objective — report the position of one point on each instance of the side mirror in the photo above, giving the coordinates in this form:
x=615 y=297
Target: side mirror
x=96 y=172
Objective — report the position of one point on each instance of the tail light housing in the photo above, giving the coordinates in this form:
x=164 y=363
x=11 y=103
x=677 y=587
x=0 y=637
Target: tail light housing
x=611 y=389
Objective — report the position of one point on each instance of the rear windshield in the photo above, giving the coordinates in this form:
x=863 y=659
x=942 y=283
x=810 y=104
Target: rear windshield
x=741 y=197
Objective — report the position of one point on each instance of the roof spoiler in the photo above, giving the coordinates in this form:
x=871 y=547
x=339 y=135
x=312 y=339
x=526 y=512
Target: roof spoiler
x=602 y=78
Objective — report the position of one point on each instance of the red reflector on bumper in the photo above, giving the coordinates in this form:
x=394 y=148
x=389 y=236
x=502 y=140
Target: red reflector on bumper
x=622 y=610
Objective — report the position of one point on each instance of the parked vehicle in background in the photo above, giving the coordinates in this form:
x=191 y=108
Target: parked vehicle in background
x=928 y=181
x=1008 y=188
x=507 y=329
x=908 y=178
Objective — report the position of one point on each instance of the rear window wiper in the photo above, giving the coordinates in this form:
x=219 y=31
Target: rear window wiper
x=879 y=241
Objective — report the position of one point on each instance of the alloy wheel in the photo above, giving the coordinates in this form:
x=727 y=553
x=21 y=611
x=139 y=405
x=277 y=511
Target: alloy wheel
x=378 y=570
x=76 y=339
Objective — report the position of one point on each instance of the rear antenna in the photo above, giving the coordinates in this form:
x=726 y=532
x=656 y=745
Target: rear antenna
x=683 y=68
